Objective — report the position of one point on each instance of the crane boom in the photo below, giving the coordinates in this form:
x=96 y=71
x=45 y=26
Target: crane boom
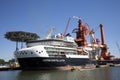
x=118 y=46
x=67 y=27
x=49 y=32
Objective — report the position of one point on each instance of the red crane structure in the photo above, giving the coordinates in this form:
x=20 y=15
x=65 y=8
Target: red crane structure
x=81 y=33
x=105 y=55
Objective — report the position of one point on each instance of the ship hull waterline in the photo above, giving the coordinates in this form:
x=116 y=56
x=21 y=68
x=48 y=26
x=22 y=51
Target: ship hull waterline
x=35 y=63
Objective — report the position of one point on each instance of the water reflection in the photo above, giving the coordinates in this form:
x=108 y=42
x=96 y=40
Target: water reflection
x=87 y=74
x=115 y=73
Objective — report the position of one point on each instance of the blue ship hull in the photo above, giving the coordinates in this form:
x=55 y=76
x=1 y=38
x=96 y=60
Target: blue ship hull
x=50 y=62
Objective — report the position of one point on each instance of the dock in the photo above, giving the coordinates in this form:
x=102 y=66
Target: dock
x=92 y=65
x=8 y=69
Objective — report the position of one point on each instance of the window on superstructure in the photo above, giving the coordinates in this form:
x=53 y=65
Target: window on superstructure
x=25 y=52
x=31 y=52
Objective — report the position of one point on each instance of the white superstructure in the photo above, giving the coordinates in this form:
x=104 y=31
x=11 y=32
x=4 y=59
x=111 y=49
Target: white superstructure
x=54 y=47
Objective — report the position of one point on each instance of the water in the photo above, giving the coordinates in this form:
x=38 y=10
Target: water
x=112 y=73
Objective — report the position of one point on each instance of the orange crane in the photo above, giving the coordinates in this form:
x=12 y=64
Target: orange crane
x=81 y=33
x=105 y=55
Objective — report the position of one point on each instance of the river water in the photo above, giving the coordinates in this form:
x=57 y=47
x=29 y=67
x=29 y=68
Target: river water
x=108 y=73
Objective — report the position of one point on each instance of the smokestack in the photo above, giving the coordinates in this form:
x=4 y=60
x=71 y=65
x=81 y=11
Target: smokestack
x=102 y=34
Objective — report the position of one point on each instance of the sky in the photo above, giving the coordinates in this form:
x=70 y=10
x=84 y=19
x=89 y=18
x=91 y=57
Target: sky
x=38 y=16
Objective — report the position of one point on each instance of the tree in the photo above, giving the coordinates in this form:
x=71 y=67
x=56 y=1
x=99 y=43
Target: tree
x=11 y=60
x=2 y=61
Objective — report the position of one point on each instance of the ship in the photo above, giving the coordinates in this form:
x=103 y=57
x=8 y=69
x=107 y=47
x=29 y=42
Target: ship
x=56 y=51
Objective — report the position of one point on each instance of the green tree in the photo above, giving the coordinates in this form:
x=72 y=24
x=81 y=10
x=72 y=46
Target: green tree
x=2 y=61
x=11 y=60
